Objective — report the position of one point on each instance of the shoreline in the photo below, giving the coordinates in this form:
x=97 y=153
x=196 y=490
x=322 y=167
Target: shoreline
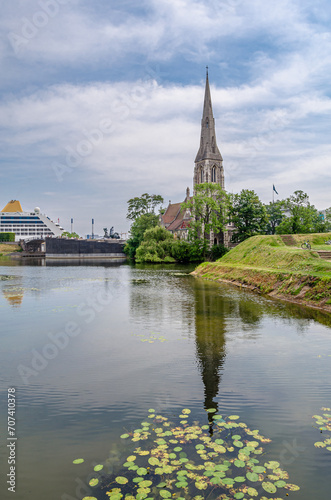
x=273 y=294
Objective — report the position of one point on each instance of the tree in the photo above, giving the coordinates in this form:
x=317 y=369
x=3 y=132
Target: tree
x=275 y=213
x=302 y=217
x=137 y=230
x=155 y=246
x=145 y=204
x=209 y=210
x=66 y=234
x=248 y=215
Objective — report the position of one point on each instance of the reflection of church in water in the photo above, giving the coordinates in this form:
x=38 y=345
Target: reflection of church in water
x=208 y=168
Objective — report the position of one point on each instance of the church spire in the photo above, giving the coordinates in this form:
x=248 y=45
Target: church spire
x=208 y=148
x=209 y=161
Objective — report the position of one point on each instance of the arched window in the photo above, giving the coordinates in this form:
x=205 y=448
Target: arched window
x=201 y=176
x=213 y=174
x=207 y=123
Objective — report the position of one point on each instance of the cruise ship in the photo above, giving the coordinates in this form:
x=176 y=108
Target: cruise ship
x=27 y=225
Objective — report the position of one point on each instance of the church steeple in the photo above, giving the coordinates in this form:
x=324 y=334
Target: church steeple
x=208 y=162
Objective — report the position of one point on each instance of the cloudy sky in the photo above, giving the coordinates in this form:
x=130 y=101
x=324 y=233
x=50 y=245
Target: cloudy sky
x=102 y=101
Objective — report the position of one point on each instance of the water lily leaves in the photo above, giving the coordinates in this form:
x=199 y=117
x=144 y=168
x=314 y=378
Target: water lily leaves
x=137 y=479
x=201 y=485
x=320 y=444
x=153 y=461
x=78 y=461
x=269 y=487
x=272 y=465
x=258 y=469
x=215 y=480
x=90 y=498
x=239 y=444
x=292 y=487
x=141 y=471
x=239 y=463
x=252 y=476
x=94 y=481
x=280 y=484
x=112 y=496
x=181 y=484
x=121 y=480
x=165 y=494
x=98 y=467
x=190 y=458
x=219 y=441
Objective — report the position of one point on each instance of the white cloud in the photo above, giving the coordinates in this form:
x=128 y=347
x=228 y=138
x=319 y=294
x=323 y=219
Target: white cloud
x=272 y=116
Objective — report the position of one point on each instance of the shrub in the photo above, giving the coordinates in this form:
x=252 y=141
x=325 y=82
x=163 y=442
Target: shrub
x=7 y=236
x=217 y=251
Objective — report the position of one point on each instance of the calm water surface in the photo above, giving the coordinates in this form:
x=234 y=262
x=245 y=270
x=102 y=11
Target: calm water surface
x=89 y=349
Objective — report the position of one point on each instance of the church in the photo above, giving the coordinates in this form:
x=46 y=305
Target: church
x=208 y=168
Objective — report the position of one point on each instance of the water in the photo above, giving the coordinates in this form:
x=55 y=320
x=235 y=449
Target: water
x=89 y=349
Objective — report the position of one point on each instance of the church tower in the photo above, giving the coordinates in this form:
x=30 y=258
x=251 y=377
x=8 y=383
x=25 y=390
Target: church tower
x=209 y=161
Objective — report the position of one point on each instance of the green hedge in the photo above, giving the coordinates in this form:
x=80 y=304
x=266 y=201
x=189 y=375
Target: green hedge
x=7 y=236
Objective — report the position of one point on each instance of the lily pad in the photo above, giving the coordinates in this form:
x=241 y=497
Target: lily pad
x=252 y=476
x=121 y=480
x=97 y=468
x=292 y=487
x=78 y=461
x=269 y=487
x=165 y=494
x=94 y=481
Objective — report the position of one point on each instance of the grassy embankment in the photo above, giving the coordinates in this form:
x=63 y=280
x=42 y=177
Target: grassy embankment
x=6 y=250
x=276 y=265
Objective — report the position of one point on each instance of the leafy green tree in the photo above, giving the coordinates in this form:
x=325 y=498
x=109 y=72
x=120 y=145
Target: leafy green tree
x=155 y=246
x=275 y=213
x=66 y=234
x=209 y=210
x=137 y=230
x=145 y=204
x=248 y=215
x=301 y=217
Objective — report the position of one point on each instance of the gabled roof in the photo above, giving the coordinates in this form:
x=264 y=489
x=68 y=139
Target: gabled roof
x=13 y=206
x=171 y=213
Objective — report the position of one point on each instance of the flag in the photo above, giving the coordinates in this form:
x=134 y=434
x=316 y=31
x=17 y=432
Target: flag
x=274 y=189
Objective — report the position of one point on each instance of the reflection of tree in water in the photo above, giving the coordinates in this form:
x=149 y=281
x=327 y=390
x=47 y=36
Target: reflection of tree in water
x=153 y=302
x=250 y=312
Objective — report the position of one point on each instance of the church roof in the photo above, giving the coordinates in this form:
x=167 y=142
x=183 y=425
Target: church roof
x=13 y=206
x=171 y=213
x=208 y=148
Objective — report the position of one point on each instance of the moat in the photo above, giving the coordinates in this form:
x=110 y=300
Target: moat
x=90 y=349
